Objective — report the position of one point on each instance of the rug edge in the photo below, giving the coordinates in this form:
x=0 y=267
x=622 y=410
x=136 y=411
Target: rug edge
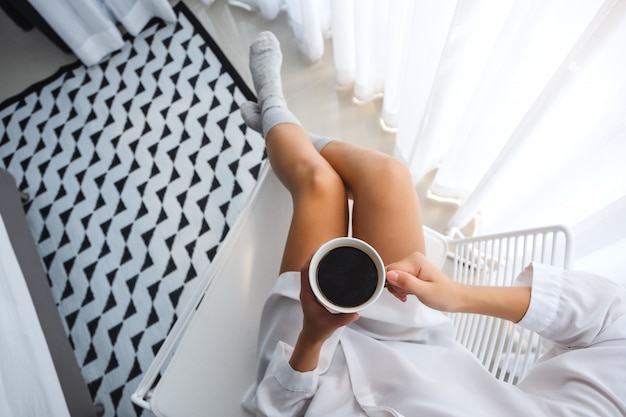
x=217 y=50
x=37 y=86
x=180 y=7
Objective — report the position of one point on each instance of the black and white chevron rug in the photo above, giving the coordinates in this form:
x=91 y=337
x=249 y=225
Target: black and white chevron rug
x=136 y=169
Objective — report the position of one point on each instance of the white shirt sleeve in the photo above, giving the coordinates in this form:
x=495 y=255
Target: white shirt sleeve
x=284 y=391
x=574 y=309
x=584 y=316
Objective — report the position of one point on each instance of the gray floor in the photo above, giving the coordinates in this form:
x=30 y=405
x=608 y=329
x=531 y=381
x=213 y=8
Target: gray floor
x=310 y=89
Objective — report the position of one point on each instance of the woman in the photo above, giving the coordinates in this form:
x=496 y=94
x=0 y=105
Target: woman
x=399 y=357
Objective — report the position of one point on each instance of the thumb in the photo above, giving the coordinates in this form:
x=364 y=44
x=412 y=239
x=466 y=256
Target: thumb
x=402 y=280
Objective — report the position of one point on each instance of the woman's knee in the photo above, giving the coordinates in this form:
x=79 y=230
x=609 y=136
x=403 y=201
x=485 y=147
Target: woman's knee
x=318 y=180
x=389 y=175
x=397 y=170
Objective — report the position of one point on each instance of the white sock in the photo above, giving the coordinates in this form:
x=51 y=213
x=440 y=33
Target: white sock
x=251 y=113
x=265 y=62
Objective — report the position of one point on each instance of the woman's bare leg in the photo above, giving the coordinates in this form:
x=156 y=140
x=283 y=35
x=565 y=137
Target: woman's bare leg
x=386 y=211
x=319 y=198
x=318 y=193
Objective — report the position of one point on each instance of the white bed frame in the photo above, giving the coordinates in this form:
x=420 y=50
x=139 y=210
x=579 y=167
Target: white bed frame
x=207 y=362
x=39 y=375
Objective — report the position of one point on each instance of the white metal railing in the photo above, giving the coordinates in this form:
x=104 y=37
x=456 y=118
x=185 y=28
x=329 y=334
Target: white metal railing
x=503 y=347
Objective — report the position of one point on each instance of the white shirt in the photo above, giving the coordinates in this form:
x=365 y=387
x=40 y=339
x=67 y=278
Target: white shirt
x=400 y=359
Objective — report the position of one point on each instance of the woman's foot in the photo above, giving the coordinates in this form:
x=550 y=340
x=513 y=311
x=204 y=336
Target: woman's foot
x=265 y=61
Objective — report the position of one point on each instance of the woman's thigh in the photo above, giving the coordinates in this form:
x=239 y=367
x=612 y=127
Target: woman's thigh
x=318 y=193
x=386 y=210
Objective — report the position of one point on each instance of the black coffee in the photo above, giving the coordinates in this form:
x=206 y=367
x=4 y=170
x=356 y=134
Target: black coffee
x=347 y=276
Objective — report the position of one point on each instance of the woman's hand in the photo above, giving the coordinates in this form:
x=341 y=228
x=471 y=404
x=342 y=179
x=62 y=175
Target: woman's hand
x=318 y=325
x=418 y=276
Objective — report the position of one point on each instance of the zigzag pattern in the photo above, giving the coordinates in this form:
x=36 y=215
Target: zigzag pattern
x=136 y=169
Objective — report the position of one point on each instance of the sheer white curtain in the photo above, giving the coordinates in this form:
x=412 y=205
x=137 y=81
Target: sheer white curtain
x=88 y=27
x=519 y=105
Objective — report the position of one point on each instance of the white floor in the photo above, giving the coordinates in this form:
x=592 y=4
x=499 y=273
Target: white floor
x=310 y=89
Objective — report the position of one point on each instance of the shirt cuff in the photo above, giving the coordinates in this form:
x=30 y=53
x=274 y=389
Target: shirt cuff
x=546 y=282
x=286 y=376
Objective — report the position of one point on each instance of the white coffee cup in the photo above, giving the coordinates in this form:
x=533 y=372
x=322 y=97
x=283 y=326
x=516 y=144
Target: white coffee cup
x=346 y=275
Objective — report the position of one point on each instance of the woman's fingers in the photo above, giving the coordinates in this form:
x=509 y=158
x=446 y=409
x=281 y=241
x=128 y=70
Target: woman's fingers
x=403 y=282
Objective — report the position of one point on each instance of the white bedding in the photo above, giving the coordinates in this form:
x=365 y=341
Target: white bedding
x=29 y=385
